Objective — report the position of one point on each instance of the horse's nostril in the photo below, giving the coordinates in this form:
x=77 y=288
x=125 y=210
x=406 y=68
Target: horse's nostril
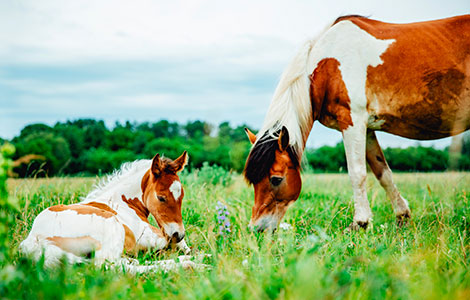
x=276 y=180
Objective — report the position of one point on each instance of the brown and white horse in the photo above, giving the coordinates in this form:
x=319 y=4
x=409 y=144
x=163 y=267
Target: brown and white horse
x=359 y=76
x=113 y=218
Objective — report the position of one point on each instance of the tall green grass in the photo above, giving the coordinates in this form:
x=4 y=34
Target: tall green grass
x=427 y=259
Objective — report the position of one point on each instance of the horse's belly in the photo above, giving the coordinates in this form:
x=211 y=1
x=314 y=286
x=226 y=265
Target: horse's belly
x=423 y=121
x=434 y=108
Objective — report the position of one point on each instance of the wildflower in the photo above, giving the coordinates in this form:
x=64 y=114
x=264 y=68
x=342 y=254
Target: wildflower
x=222 y=218
x=285 y=226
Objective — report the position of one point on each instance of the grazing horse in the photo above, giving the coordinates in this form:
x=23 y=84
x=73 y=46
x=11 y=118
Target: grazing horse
x=112 y=219
x=359 y=76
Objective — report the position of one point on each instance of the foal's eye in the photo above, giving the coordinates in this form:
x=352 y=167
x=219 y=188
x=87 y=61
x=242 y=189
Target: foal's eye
x=161 y=198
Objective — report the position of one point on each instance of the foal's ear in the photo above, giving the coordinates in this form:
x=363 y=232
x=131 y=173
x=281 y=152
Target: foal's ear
x=251 y=136
x=181 y=161
x=157 y=165
x=283 y=140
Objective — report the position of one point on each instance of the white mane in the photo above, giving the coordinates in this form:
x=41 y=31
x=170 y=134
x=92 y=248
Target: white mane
x=125 y=181
x=291 y=106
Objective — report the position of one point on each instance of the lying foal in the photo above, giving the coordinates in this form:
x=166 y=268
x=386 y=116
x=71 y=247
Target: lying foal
x=112 y=219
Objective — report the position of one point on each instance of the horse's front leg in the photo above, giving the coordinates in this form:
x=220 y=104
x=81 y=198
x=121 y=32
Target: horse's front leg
x=354 y=138
x=378 y=165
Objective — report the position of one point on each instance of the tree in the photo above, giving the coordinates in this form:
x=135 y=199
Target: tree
x=54 y=148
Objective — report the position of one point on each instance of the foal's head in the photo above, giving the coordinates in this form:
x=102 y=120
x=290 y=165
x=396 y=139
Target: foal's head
x=273 y=169
x=163 y=194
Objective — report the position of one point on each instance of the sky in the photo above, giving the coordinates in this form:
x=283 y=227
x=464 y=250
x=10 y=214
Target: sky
x=148 y=60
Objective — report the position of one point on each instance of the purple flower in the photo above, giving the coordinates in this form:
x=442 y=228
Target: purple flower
x=222 y=218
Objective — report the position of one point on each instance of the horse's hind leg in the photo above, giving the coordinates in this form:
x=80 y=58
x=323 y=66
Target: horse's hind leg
x=378 y=164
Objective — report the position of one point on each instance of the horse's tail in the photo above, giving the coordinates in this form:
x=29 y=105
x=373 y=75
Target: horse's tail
x=36 y=246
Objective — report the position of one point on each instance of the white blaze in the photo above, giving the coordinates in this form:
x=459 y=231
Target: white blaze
x=175 y=189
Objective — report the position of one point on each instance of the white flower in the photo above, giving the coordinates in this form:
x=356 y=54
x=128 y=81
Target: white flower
x=285 y=226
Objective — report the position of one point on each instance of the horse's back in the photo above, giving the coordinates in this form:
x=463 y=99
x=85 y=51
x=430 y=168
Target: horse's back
x=421 y=86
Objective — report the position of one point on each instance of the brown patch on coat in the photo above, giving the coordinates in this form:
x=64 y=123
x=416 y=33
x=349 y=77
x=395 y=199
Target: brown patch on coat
x=374 y=156
x=422 y=88
x=139 y=208
x=95 y=208
x=329 y=96
x=129 y=240
x=78 y=245
x=101 y=206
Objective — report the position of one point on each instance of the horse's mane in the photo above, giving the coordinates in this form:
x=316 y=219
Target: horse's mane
x=129 y=175
x=291 y=106
x=347 y=17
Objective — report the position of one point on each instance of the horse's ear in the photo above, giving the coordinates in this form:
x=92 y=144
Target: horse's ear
x=283 y=140
x=181 y=161
x=157 y=165
x=251 y=136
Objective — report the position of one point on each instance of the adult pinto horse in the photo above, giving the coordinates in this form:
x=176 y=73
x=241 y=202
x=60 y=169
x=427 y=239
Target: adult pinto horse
x=359 y=76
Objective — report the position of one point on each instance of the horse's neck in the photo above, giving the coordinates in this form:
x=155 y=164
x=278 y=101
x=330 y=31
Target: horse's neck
x=126 y=181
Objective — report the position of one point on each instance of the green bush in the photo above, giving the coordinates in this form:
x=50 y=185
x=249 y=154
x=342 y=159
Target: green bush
x=214 y=175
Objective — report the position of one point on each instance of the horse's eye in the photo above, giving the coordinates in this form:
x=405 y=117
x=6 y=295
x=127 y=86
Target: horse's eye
x=162 y=198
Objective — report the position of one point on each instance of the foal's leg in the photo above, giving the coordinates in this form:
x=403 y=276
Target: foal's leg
x=354 y=138
x=382 y=172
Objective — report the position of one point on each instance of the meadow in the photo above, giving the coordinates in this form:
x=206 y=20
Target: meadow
x=313 y=259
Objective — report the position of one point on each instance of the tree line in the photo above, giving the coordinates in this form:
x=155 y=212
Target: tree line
x=89 y=147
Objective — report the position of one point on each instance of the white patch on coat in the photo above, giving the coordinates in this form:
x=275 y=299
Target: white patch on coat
x=175 y=189
x=356 y=50
x=171 y=228
x=109 y=232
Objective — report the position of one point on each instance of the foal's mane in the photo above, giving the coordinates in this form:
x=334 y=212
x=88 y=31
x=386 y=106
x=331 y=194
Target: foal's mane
x=129 y=174
x=127 y=180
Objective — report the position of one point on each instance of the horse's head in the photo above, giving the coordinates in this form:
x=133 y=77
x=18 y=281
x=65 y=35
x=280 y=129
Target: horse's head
x=274 y=170
x=163 y=194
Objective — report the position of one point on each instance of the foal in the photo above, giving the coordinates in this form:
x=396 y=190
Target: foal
x=112 y=219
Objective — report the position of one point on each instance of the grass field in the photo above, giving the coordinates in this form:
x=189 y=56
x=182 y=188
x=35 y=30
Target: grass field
x=426 y=259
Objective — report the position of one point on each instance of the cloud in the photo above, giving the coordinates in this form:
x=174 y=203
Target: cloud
x=179 y=60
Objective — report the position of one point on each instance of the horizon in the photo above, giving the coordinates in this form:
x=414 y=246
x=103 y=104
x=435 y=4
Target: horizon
x=182 y=61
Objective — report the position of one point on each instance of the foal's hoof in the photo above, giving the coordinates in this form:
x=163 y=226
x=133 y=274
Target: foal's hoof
x=403 y=219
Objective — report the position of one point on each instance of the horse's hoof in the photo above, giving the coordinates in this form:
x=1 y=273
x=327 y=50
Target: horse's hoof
x=403 y=219
x=356 y=226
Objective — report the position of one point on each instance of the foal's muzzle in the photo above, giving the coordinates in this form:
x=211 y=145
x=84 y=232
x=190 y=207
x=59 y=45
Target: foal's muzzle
x=174 y=231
